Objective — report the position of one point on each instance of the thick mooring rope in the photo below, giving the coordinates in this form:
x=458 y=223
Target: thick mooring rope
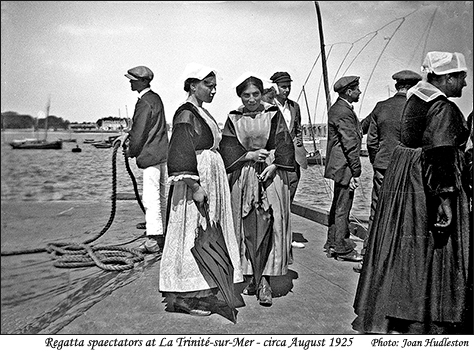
x=110 y=258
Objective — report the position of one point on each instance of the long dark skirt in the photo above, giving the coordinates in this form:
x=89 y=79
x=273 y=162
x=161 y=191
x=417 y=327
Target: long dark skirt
x=413 y=281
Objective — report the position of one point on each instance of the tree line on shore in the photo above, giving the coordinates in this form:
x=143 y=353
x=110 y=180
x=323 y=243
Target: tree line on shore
x=13 y=120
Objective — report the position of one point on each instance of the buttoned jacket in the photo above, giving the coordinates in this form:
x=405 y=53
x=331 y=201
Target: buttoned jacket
x=344 y=143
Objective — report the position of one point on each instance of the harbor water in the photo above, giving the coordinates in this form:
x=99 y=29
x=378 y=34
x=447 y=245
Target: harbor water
x=63 y=175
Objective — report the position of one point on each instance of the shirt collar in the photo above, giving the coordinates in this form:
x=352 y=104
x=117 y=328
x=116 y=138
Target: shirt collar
x=277 y=102
x=143 y=92
x=348 y=103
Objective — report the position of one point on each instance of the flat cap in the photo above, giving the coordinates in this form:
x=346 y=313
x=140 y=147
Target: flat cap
x=280 y=77
x=406 y=76
x=345 y=82
x=140 y=72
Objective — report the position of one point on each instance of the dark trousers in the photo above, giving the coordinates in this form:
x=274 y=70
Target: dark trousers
x=376 y=184
x=294 y=180
x=338 y=229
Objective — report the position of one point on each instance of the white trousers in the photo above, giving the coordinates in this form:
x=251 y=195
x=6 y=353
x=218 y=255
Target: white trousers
x=154 y=198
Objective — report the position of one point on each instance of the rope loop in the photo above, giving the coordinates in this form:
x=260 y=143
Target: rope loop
x=109 y=258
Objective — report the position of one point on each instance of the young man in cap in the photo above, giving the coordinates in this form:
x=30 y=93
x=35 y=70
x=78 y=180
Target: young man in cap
x=343 y=167
x=148 y=144
x=384 y=134
x=292 y=114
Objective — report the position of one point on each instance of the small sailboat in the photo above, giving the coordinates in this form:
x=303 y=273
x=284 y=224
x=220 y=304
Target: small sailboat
x=39 y=144
x=313 y=157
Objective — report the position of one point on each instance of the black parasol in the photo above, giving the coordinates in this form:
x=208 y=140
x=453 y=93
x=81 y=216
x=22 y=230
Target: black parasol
x=258 y=228
x=212 y=257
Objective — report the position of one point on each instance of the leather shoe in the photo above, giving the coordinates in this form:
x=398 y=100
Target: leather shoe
x=192 y=307
x=352 y=256
x=330 y=252
x=150 y=245
x=358 y=268
x=265 y=293
x=251 y=288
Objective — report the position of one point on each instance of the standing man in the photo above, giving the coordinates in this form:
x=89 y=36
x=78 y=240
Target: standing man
x=343 y=167
x=384 y=135
x=291 y=112
x=148 y=144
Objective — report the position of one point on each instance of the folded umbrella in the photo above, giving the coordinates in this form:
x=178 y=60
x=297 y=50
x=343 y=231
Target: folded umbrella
x=211 y=254
x=258 y=231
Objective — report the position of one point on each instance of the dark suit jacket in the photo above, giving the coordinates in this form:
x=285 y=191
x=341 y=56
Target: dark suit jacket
x=384 y=130
x=344 y=142
x=296 y=132
x=148 y=137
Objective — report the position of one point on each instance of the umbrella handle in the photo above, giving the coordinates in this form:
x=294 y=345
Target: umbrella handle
x=206 y=213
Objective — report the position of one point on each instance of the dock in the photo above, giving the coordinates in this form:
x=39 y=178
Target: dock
x=315 y=297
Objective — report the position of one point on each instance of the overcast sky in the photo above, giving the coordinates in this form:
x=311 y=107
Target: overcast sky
x=78 y=51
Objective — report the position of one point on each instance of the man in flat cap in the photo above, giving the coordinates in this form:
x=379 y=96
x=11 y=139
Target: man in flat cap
x=292 y=114
x=148 y=144
x=343 y=167
x=384 y=135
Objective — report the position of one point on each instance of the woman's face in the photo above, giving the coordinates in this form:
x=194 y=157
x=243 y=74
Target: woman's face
x=251 y=98
x=206 y=89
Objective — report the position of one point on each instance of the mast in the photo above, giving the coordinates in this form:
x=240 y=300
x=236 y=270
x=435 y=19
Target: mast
x=310 y=123
x=323 y=56
x=48 y=105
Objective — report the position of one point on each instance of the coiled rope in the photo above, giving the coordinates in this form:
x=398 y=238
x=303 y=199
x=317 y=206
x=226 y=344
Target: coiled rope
x=109 y=258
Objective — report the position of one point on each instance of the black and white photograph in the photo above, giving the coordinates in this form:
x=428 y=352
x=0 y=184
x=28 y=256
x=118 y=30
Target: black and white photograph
x=237 y=176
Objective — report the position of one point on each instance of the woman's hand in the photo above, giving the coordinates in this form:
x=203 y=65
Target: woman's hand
x=354 y=183
x=268 y=173
x=200 y=199
x=260 y=155
x=199 y=195
x=444 y=214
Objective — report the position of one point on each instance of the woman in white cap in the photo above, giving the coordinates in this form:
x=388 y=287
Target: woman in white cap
x=258 y=152
x=417 y=271
x=198 y=183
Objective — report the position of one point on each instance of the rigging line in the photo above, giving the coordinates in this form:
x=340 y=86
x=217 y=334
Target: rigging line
x=375 y=34
x=307 y=78
x=345 y=57
x=342 y=62
x=319 y=87
x=428 y=35
x=360 y=51
x=377 y=62
x=310 y=123
x=425 y=31
x=387 y=24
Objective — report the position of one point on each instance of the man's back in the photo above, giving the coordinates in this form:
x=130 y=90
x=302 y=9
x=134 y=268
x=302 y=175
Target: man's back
x=148 y=136
x=384 y=130
x=344 y=142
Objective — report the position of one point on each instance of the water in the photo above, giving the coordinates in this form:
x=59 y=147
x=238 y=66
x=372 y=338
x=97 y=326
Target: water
x=50 y=175
x=47 y=175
